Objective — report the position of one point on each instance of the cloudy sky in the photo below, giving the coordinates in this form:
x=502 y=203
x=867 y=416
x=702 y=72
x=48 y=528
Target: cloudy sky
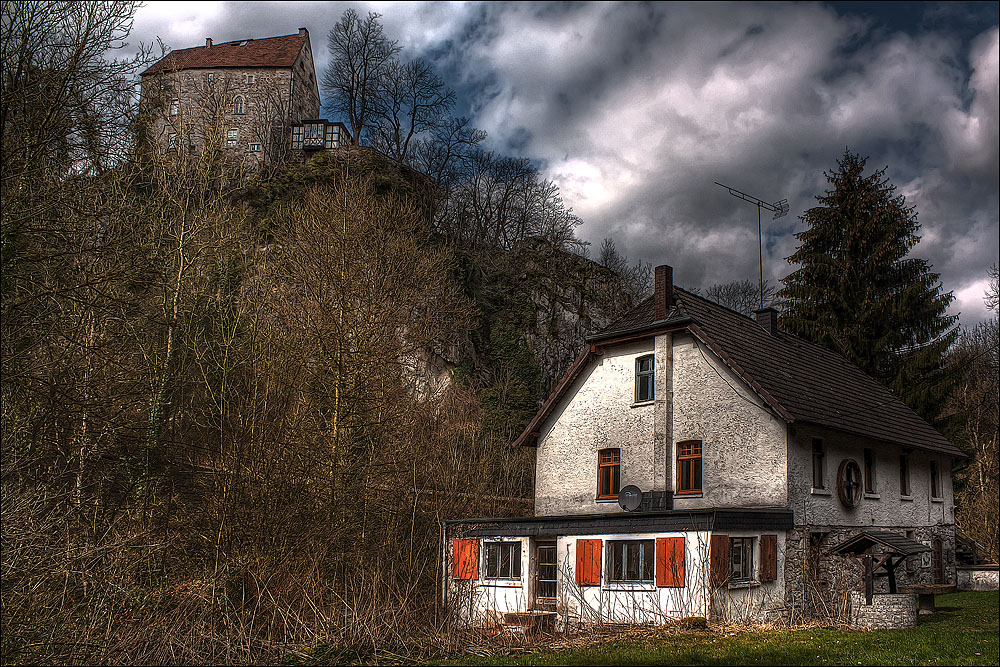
x=635 y=110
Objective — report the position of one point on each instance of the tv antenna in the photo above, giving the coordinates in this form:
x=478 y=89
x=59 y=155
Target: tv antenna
x=780 y=210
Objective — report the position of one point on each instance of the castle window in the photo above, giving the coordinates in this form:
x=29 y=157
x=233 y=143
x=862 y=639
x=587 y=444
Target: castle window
x=172 y=141
x=254 y=148
x=644 y=379
x=689 y=466
x=211 y=77
x=175 y=107
x=238 y=106
x=249 y=78
x=231 y=137
x=608 y=478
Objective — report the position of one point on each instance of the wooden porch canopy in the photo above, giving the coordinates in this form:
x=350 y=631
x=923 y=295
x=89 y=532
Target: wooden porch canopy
x=895 y=549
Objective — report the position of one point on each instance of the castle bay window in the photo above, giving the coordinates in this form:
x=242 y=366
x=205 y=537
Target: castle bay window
x=818 y=464
x=503 y=560
x=689 y=466
x=631 y=561
x=644 y=379
x=608 y=477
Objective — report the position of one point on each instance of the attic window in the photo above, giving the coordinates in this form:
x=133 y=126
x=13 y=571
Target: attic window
x=644 y=379
x=244 y=42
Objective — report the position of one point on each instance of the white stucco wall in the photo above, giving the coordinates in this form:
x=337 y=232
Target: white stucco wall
x=886 y=508
x=743 y=443
x=599 y=411
x=483 y=602
x=633 y=603
x=697 y=398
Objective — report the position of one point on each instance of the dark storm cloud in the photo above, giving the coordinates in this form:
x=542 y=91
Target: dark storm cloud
x=636 y=109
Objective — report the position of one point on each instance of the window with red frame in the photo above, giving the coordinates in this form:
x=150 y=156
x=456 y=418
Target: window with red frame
x=608 y=476
x=689 y=466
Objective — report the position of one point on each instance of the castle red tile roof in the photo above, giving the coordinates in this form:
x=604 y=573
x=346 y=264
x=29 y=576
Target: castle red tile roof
x=267 y=52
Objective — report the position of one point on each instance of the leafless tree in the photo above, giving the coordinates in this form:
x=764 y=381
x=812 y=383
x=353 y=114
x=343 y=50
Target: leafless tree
x=361 y=57
x=743 y=296
x=414 y=102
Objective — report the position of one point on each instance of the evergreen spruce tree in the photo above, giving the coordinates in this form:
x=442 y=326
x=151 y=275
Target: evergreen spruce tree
x=856 y=292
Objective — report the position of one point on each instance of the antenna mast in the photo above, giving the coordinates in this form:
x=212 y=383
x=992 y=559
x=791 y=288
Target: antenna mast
x=780 y=210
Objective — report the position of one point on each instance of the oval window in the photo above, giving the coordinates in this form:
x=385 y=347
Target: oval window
x=849 y=483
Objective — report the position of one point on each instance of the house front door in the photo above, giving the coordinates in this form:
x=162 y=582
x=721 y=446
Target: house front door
x=545 y=575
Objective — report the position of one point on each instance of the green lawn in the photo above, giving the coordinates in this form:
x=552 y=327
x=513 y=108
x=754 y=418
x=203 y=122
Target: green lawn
x=964 y=632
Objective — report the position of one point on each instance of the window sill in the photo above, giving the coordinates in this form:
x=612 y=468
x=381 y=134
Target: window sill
x=821 y=492
x=501 y=583
x=906 y=498
x=684 y=494
x=937 y=500
x=630 y=588
x=640 y=404
x=743 y=584
x=609 y=499
x=873 y=496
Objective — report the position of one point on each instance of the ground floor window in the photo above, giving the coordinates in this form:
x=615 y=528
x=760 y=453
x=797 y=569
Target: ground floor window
x=631 y=560
x=503 y=560
x=740 y=558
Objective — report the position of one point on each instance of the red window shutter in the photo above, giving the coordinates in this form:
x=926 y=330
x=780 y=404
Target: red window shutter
x=588 y=562
x=465 y=559
x=670 y=562
x=719 y=560
x=768 y=557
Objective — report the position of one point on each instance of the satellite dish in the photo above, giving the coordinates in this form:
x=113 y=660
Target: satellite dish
x=629 y=498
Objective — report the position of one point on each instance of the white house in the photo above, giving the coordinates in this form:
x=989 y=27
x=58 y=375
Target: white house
x=754 y=452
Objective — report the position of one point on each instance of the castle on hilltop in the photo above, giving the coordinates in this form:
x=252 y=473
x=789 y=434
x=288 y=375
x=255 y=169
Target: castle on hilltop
x=255 y=100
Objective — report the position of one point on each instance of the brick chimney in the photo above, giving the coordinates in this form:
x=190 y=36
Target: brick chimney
x=208 y=42
x=663 y=290
x=767 y=318
x=303 y=32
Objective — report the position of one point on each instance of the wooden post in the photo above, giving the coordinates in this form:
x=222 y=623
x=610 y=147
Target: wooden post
x=890 y=566
x=869 y=580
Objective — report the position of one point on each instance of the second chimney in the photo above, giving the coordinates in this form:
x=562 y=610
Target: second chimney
x=663 y=290
x=767 y=318
x=208 y=42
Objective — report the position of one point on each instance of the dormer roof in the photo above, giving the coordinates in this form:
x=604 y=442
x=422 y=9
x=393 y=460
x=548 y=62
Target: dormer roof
x=267 y=52
x=798 y=380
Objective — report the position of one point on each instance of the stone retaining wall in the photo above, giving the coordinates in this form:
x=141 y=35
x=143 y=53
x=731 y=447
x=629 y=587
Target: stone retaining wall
x=886 y=612
x=978 y=577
